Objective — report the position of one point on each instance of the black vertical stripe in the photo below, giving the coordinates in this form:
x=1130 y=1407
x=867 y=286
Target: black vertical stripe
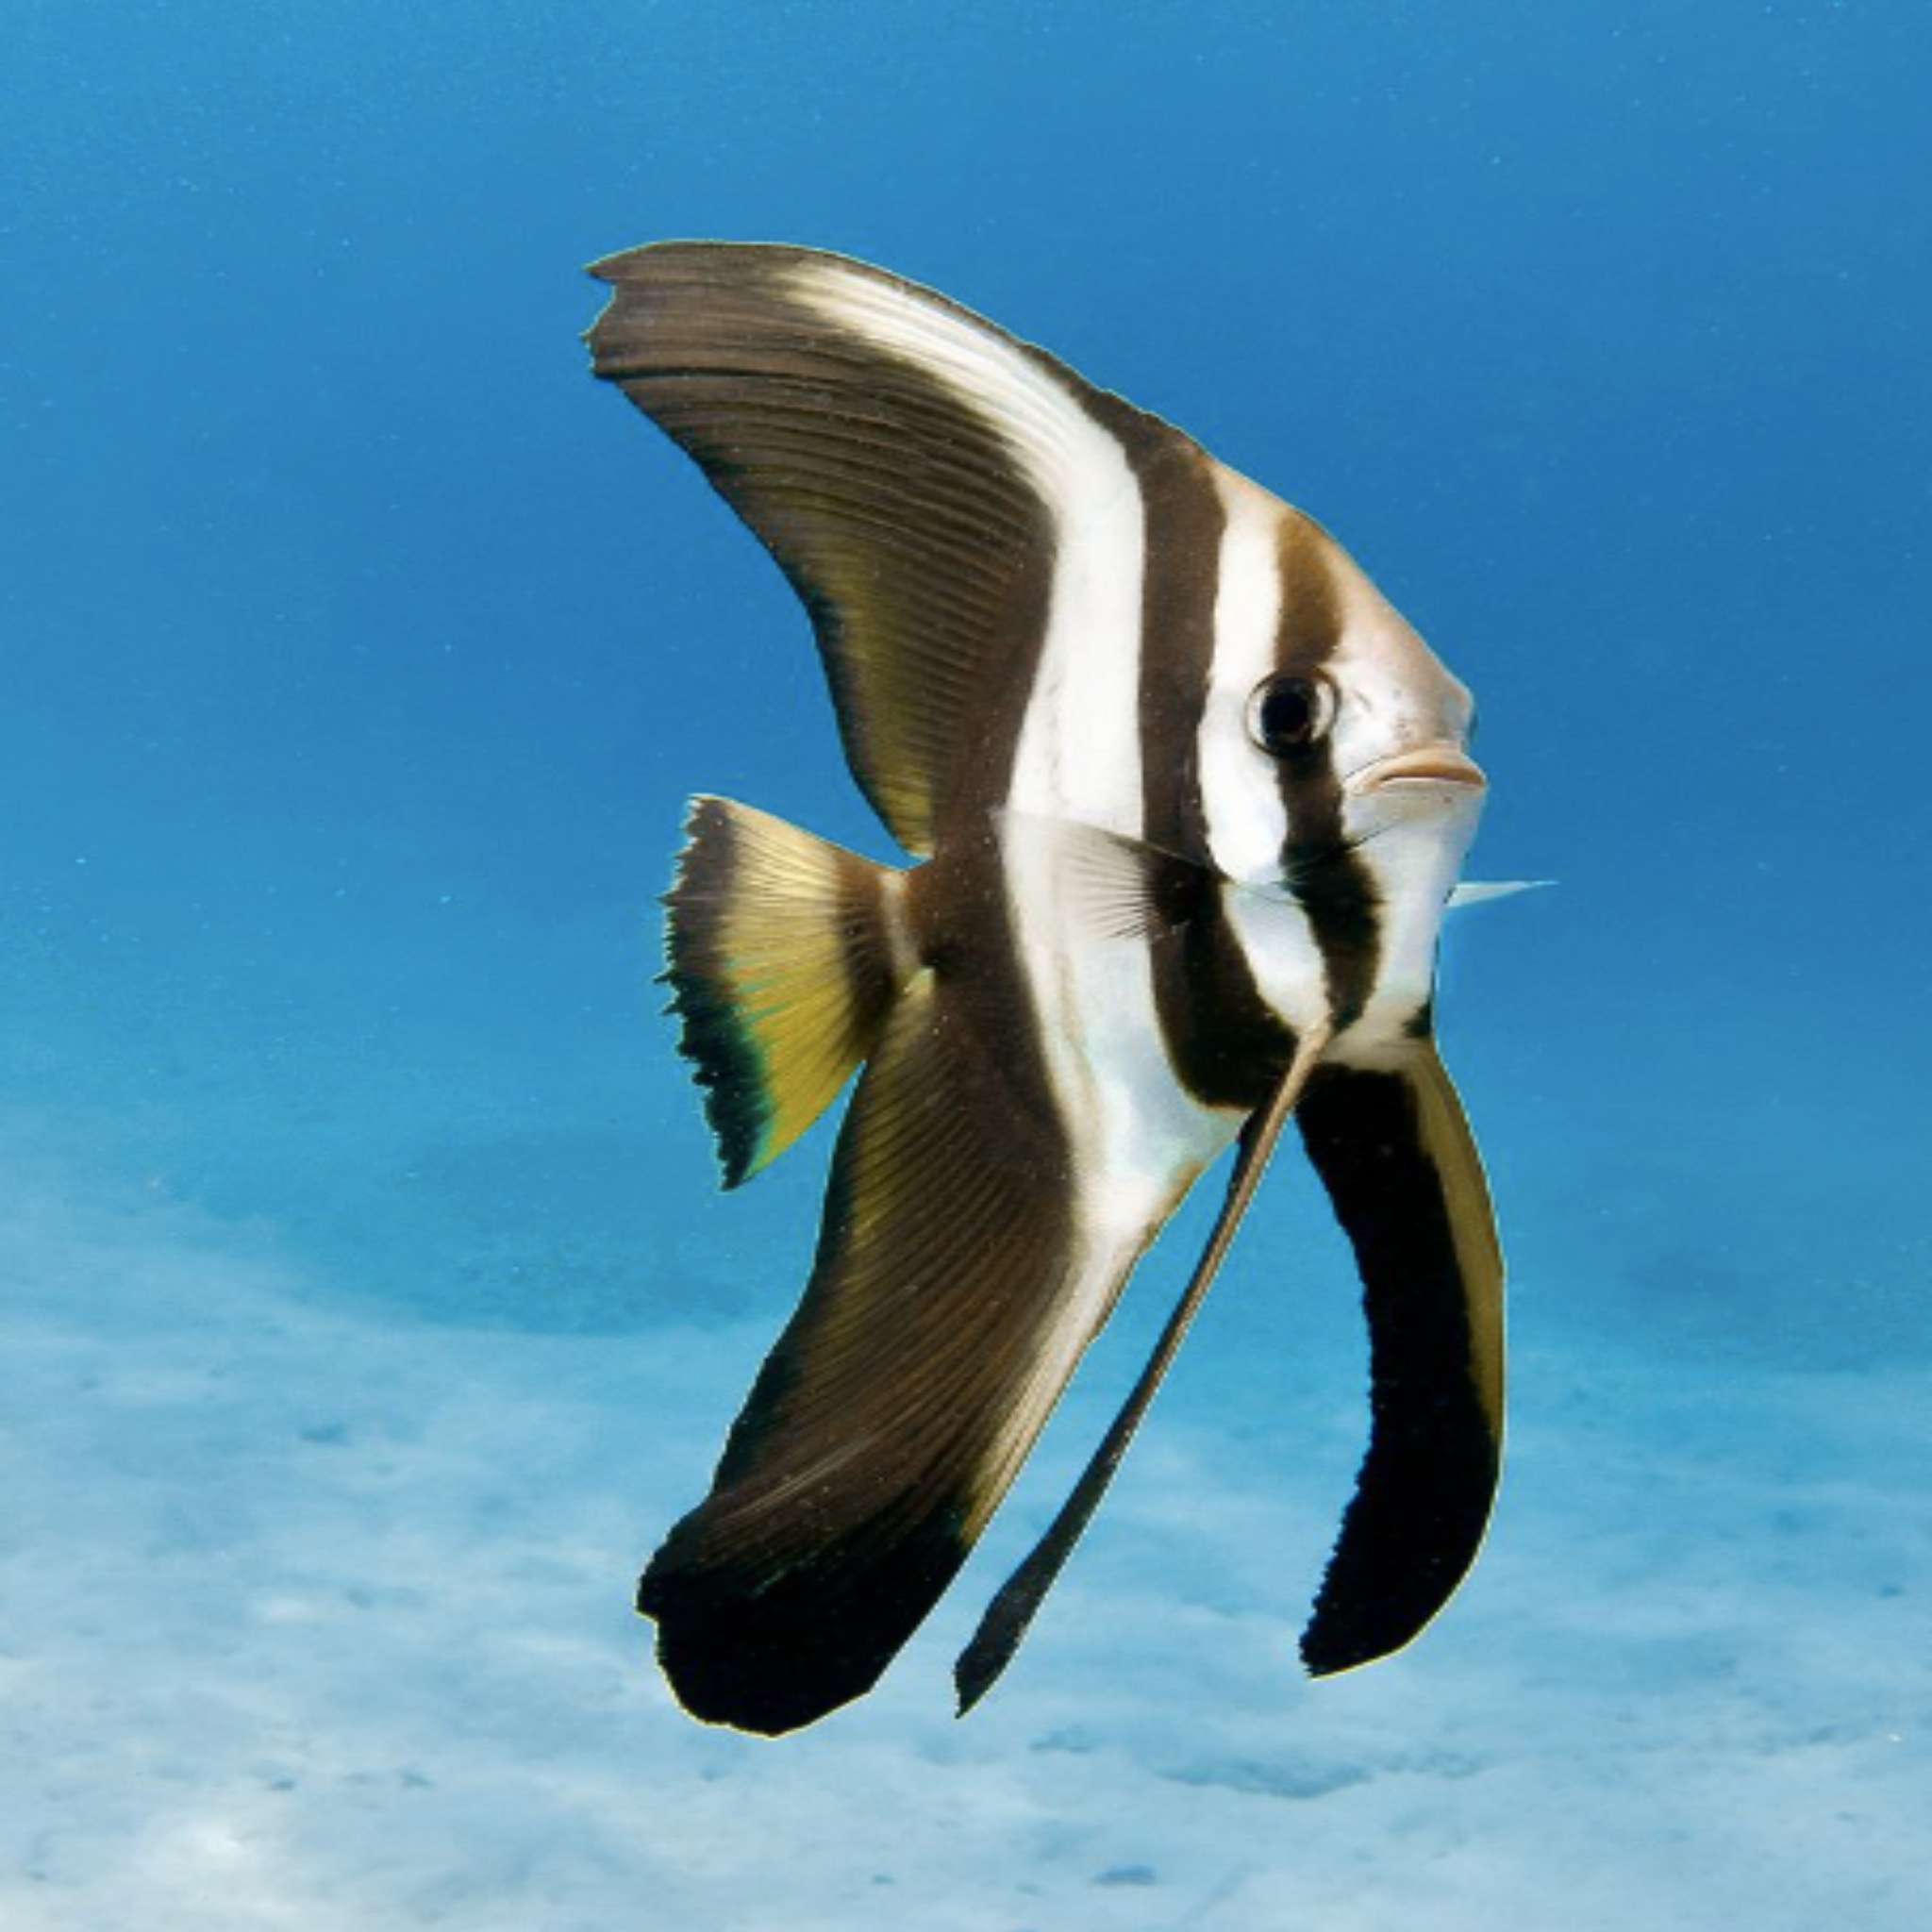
x=1332 y=886
x=1225 y=1044
x=1180 y=582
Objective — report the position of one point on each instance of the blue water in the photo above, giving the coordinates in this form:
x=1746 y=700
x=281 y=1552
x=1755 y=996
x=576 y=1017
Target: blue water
x=368 y=1311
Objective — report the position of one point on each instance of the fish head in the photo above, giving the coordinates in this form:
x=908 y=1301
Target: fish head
x=1398 y=726
x=1341 y=783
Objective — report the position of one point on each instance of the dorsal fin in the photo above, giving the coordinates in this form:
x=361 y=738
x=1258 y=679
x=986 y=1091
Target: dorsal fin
x=912 y=468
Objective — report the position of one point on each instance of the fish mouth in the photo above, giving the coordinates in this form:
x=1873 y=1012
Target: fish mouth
x=1430 y=764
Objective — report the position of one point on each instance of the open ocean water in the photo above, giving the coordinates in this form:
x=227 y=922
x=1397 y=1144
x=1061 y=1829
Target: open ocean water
x=367 y=1310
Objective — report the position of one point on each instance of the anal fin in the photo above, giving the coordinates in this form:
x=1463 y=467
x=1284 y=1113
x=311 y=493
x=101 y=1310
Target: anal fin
x=949 y=1301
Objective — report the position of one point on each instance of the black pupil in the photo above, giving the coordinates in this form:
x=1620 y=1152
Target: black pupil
x=1284 y=718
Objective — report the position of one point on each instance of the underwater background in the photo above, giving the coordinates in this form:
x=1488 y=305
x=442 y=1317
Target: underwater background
x=367 y=1308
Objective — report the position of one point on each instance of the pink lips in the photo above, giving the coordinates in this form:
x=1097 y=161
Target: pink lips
x=1432 y=764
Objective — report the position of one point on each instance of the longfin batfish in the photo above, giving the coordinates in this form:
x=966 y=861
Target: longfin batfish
x=1190 y=799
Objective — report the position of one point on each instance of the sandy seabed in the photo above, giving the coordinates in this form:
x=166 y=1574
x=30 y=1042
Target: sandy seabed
x=317 y=1618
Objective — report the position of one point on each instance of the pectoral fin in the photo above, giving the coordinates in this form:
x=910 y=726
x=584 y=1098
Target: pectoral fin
x=1114 y=886
x=1395 y=1154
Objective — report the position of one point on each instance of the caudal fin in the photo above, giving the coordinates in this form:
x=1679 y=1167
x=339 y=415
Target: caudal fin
x=785 y=952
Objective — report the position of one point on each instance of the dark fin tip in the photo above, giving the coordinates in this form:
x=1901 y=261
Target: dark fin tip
x=774 y=1653
x=1325 y=1653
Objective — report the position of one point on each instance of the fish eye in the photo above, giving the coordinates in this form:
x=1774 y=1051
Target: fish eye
x=1288 y=714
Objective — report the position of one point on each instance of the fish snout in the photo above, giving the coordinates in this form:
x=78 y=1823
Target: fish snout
x=1428 y=764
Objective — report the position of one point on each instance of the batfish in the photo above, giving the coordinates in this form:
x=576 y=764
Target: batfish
x=1188 y=800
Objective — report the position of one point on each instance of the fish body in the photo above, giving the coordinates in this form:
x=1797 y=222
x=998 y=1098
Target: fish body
x=1188 y=798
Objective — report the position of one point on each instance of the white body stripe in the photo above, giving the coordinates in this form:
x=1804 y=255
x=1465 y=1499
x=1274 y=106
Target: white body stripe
x=1237 y=778
x=1079 y=752
x=1414 y=875
x=1238 y=793
x=1137 y=1139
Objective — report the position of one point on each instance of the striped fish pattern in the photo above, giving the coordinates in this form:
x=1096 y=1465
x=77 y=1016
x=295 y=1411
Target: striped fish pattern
x=1188 y=799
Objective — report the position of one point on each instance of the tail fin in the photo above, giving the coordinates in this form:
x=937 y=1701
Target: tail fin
x=784 y=955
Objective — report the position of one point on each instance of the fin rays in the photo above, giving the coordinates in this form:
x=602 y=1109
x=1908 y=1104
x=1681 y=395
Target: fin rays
x=781 y=968
x=872 y=1446
x=884 y=467
x=1036 y=608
